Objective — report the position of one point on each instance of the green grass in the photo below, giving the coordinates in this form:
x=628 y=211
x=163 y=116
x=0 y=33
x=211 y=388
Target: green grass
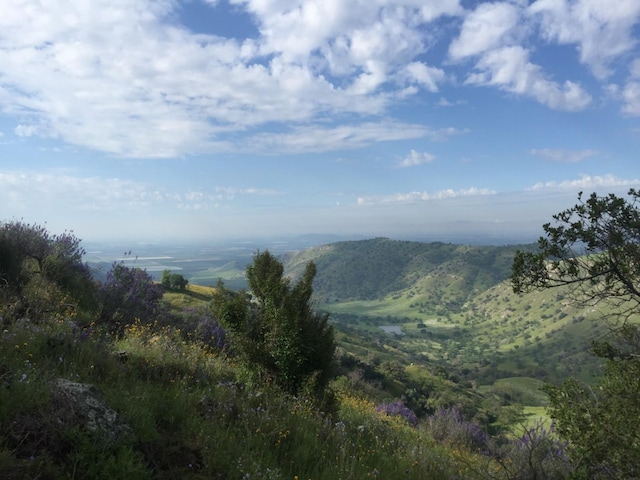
x=194 y=296
x=230 y=273
x=191 y=414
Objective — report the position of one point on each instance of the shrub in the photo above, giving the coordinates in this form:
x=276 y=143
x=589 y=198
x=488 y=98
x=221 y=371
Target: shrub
x=41 y=275
x=398 y=409
x=203 y=327
x=536 y=455
x=126 y=295
x=277 y=331
x=447 y=425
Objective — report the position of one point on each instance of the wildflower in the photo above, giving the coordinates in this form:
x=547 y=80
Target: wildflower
x=398 y=409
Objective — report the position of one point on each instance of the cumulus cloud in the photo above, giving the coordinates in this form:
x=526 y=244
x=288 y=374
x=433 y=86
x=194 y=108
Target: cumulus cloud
x=422 y=74
x=484 y=28
x=416 y=158
x=510 y=69
x=563 y=156
x=495 y=33
x=127 y=79
x=631 y=98
x=602 y=31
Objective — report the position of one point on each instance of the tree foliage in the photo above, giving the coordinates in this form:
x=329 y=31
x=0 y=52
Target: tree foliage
x=277 y=328
x=40 y=273
x=128 y=294
x=594 y=249
x=173 y=281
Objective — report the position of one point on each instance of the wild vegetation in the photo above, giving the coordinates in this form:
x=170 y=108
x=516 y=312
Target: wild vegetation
x=594 y=249
x=123 y=377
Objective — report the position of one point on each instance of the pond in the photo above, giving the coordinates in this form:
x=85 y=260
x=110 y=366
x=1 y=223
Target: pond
x=395 y=329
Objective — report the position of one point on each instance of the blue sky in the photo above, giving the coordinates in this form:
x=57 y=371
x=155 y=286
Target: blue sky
x=211 y=119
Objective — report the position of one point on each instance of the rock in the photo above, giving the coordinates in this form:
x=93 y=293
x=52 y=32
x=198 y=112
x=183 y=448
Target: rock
x=81 y=405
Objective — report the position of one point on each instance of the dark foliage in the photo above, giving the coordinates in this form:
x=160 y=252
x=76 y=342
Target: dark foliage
x=173 y=281
x=278 y=330
x=127 y=295
x=398 y=409
x=594 y=247
x=201 y=325
x=42 y=274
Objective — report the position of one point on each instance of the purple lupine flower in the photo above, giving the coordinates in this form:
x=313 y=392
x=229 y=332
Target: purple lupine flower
x=398 y=409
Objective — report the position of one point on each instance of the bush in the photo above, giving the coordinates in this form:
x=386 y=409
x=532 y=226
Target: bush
x=537 y=455
x=128 y=294
x=173 y=281
x=399 y=409
x=41 y=275
x=202 y=326
x=447 y=425
x=277 y=331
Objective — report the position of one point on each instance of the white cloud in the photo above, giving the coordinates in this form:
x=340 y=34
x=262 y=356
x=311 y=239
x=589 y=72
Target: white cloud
x=634 y=69
x=444 y=102
x=631 y=98
x=125 y=78
x=484 y=29
x=319 y=138
x=28 y=191
x=122 y=77
x=563 y=156
x=413 y=197
x=495 y=33
x=586 y=182
x=509 y=69
x=428 y=77
x=432 y=10
x=416 y=158
x=25 y=130
x=602 y=30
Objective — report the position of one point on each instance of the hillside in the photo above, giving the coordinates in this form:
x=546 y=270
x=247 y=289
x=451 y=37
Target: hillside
x=372 y=269
x=134 y=381
x=451 y=305
x=161 y=401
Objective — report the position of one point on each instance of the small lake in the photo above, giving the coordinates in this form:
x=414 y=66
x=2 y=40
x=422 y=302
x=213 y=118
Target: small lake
x=395 y=329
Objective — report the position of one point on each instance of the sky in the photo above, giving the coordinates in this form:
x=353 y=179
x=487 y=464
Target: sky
x=211 y=119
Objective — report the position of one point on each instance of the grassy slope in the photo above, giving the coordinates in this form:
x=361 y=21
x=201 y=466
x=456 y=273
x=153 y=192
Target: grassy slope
x=373 y=269
x=192 y=413
x=456 y=311
x=454 y=306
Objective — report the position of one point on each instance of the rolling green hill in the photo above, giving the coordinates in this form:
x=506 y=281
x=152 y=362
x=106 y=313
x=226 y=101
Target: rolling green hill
x=373 y=269
x=453 y=306
x=447 y=311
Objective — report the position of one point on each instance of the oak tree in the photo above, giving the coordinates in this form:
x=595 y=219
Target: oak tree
x=593 y=249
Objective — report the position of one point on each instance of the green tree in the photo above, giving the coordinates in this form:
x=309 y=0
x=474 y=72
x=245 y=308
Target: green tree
x=173 y=281
x=593 y=249
x=277 y=328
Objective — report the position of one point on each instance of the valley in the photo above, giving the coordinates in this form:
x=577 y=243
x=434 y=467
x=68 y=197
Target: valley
x=419 y=307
